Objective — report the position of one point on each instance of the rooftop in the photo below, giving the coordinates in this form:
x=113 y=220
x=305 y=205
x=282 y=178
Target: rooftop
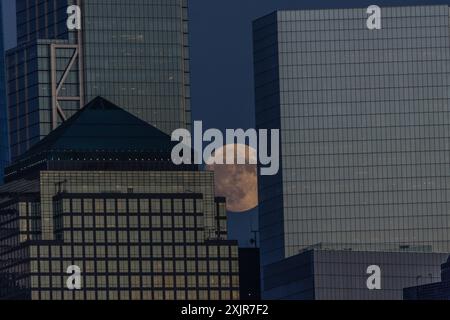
x=105 y=127
x=101 y=136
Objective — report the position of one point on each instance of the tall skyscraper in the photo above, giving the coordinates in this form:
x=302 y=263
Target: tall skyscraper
x=102 y=194
x=365 y=121
x=135 y=54
x=4 y=155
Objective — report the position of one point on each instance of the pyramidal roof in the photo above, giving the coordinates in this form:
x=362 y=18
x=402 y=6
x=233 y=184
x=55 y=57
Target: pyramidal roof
x=101 y=126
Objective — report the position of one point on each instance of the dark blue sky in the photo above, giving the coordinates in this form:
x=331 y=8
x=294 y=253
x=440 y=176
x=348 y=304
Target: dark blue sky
x=221 y=62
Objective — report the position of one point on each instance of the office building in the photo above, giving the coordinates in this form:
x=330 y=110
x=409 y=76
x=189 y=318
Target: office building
x=4 y=154
x=432 y=291
x=326 y=273
x=364 y=118
x=101 y=193
x=134 y=54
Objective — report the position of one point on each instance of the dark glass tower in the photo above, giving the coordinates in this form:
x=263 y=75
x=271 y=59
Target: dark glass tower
x=365 y=121
x=4 y=154
x=133 y=53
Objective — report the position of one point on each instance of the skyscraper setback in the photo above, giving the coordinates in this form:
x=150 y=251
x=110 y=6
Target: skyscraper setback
x=135 y=54
x=365 y=121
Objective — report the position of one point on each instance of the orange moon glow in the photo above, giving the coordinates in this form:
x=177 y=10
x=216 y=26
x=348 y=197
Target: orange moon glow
x=238 y=183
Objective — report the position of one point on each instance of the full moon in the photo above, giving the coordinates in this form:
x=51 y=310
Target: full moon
x=238 y=183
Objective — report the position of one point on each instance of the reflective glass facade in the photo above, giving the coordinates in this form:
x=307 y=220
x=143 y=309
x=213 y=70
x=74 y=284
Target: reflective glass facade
x=364 y=117
x=4 y=150
x=327 y=274
x=42 y=19
x=135 y=54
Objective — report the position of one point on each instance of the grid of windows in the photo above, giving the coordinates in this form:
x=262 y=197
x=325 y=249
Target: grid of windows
x=53 y=182
x=221 y=218
x=341 y=275
x=134 y=248
x=121 y=272
x=135 y=54
x=134 y=235
x=130 y=221
x=365 y=123
x=41 y=19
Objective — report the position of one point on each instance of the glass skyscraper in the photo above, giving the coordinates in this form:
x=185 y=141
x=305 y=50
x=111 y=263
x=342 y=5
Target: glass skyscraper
x=101 y=193
x=135 y=54
x=365 y=123
x=4 y=154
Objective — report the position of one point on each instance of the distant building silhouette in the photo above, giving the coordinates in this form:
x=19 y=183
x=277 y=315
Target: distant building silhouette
x=249 y=274
x=432 y=291
x=324 y=273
